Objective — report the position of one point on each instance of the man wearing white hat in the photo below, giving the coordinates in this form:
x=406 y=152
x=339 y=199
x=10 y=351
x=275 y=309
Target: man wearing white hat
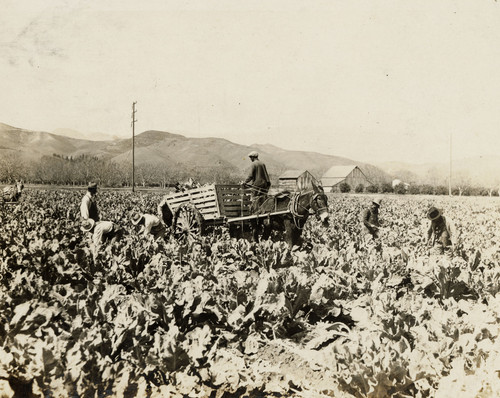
x=258 y=179
x=443 y=230
x=151 y=223
x=100 y=231
x=88 y=207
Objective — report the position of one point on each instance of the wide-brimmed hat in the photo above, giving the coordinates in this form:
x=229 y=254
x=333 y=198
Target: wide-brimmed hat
x=136 y=218
x=92 y=185
x=253 y=154
x=377 y=201
x=87 y=225
x=433 y=213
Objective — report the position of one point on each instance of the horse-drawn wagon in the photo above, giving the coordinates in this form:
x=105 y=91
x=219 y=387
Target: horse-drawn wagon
x=192 y=212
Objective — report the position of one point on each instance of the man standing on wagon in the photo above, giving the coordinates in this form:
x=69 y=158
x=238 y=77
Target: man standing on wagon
x=258 y=179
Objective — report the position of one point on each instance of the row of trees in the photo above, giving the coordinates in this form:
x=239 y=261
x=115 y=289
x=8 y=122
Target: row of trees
x=63 y=171
x=420 y=189
x=80 y=170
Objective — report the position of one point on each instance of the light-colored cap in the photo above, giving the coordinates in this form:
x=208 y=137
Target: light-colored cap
x=136 y=218
x=87 y=225
x=253 y=154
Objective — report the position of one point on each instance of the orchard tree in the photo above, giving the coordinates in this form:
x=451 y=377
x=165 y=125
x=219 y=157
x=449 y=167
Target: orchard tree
x=359 y=188
x=11 y=167
x=414 y=189
x=372 y=188
x=386 y=187
x=344 y=187
x=400 y=189
x=441 y=190
x=426 y=189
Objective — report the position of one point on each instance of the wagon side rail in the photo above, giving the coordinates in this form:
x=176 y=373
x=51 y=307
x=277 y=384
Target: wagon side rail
x=204 y=199
x=234 y=200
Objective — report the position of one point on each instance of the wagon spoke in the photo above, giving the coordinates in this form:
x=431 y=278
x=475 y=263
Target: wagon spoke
x=187 y=224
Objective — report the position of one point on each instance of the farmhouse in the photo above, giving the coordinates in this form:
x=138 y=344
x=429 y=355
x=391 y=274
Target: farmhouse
x=296 y=180
x=351 y=175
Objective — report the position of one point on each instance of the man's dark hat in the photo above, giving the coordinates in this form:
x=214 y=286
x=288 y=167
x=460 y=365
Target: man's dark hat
x=377 y=201
x=433 y=213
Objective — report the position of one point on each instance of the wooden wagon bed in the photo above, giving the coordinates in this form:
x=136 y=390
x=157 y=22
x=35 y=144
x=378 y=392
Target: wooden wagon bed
x=213 y=201
x=193 y=210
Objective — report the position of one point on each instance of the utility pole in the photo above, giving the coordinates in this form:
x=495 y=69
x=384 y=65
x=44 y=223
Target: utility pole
x=133 y=144
x=449 y=180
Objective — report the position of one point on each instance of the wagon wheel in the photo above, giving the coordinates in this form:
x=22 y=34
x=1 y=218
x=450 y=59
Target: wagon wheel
x=187 y=224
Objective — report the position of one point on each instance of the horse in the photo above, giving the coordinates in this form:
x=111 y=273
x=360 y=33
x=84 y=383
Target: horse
x=299 y=206
x=12 y=193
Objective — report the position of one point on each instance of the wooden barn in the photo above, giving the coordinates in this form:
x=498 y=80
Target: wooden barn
x=351 y=175
x=295 y=180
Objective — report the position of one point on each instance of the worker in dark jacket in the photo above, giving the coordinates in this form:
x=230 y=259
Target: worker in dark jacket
x=258 y=179
x=443 y=230
x=370 y=221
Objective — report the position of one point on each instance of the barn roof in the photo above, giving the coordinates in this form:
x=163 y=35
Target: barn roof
x=292 y=173
x=339 y=171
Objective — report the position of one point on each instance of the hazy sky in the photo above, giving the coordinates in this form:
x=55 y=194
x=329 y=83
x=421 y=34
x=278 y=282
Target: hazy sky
x=370 y=80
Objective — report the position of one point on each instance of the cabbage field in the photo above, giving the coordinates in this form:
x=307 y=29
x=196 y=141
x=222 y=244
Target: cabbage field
x=231 y=318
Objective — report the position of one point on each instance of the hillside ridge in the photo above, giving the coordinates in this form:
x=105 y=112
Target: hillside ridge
x=172 y=151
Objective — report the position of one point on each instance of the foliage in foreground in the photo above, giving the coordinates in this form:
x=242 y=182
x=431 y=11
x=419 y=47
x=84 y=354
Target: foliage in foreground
x=149 y=318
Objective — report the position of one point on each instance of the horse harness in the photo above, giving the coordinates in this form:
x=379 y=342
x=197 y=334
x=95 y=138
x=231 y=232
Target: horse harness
x=294 y=206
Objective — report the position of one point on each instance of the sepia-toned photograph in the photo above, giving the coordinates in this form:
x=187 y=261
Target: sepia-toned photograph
x=249 y=199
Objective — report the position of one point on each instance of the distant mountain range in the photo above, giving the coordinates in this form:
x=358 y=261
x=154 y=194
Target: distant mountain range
x=178 y=151
x=93 y=136
x=173 y=150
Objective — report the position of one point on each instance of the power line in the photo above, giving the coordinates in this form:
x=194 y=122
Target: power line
x=449 y=180
x=134 y=120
